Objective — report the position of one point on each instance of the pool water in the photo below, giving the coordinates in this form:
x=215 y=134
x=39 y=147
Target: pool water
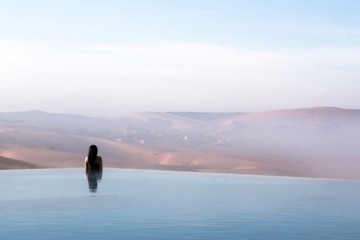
x=143 y=204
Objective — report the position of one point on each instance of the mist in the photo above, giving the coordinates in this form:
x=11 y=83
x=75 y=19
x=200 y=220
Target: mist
x=310 y=142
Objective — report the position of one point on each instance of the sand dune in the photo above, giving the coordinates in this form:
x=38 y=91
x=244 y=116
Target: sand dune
x=155 y=157
x=8 y=163
x=310 y=142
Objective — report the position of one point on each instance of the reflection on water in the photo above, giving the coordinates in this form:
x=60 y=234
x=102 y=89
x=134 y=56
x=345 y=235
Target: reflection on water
x=93 y=176
x=138 y=204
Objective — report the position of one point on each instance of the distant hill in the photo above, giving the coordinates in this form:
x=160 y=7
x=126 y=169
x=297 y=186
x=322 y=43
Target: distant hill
x=309 y=117
x=8 y=163
x=314 y=142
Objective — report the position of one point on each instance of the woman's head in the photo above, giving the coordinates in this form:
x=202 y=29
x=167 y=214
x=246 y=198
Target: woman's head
x=93 y=151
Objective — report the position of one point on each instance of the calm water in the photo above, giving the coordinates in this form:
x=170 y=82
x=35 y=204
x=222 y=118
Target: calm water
x=138 y=204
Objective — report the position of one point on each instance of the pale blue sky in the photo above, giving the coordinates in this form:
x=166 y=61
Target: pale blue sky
x=109 y=58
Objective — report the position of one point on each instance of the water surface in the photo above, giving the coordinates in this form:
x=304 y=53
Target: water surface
x=140 y=204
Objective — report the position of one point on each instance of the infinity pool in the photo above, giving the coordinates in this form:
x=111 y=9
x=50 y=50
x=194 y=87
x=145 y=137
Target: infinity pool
x=142 y=204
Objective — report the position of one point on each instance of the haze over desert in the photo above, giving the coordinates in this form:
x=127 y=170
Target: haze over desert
x=311 y=142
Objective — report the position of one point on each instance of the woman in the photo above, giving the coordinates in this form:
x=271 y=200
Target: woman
x=93 y=161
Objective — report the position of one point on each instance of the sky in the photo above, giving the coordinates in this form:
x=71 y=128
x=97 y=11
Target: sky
x=113 y=58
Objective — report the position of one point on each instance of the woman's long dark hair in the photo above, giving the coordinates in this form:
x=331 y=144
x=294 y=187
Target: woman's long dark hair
x=92 y=154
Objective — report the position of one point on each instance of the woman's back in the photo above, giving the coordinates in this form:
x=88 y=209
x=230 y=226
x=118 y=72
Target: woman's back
x=97 y=164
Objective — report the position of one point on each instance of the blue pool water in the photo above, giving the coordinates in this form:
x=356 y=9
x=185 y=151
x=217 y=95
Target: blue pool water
x=140 y=204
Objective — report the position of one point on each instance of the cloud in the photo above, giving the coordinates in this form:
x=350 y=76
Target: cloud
x=175 y=59
x=160 y=75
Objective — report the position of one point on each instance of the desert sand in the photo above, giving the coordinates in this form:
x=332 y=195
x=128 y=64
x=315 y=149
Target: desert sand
x=150 y=157
x=8 y=163
x=313 y=142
